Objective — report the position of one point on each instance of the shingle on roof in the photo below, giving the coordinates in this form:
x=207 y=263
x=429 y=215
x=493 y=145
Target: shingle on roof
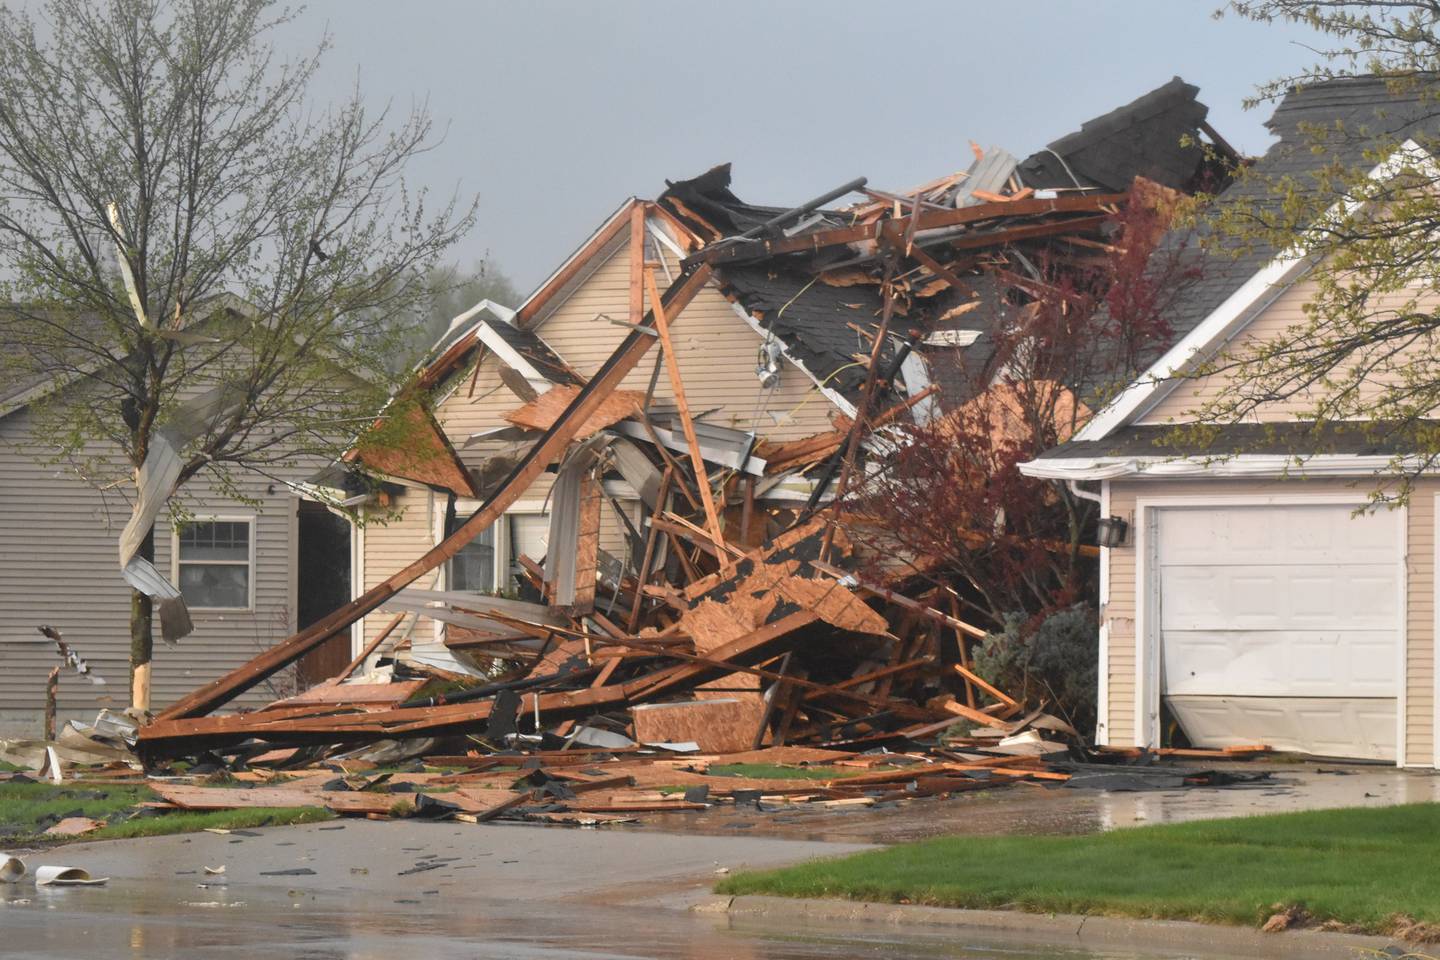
x=1142 y=138
x=1365 y=108
x=1287 y=439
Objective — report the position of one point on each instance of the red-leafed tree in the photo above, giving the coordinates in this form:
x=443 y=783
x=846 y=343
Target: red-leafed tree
x=1069 y=330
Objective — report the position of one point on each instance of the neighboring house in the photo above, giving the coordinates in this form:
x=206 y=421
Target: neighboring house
x=1250 y=601
x=240 y=567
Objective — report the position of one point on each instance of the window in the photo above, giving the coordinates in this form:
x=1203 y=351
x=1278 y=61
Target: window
x=213 y=559
x=473 y=568
x=485 y=566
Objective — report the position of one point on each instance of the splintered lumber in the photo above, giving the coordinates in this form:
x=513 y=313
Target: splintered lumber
x=677 y=387
x=891 y=232
x=545 y=451
x=715 y=726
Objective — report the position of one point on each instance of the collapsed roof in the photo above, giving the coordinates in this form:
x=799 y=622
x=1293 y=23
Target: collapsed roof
x=811 y=276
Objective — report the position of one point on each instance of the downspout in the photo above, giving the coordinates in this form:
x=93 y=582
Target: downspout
x=1074 y=486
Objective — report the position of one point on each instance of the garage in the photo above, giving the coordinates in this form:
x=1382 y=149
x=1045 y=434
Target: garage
x=1280 y=624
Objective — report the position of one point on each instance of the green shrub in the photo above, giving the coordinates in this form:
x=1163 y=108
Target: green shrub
x=1054 y=658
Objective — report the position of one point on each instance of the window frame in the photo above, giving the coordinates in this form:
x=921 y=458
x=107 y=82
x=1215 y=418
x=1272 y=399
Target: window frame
x=464 y=507
x=250 y=524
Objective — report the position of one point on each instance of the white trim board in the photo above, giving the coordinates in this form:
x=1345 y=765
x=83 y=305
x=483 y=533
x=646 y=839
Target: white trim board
x=1236 y=312
x=1239 y=465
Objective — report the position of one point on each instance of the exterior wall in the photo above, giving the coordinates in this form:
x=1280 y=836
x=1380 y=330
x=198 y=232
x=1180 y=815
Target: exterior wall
x=1119 y=615
x=714 y=347
x=716 y=352
x=1188 y=397
x=59 y=565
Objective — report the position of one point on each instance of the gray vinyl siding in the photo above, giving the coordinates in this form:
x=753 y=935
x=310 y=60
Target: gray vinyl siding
x=59 y=565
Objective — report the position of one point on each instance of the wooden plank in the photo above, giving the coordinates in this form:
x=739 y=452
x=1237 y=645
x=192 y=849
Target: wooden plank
x=961 y=710
x=359 y=693
x=677 y=387
x=232 y=798
x=980 y=682
x=372 y=646
x=545 y=451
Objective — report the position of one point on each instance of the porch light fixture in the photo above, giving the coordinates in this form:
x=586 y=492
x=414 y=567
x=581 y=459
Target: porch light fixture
x=1111 y=531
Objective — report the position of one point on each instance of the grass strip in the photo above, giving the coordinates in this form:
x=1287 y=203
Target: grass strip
x=1363 y=868
x=28 y=809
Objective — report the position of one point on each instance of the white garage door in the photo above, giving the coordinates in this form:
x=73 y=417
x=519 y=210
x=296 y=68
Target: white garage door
x=1282 y=625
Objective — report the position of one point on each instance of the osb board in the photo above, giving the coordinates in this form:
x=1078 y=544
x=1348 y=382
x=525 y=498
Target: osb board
x=714 y=622
x=716 y=726
x=231 y=798
x=378 y=693
x=542 y=412
x=732 y=686
x=409 y=445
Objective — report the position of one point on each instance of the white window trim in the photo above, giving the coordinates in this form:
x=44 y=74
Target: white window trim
x=250 y=522
x=1147 y=586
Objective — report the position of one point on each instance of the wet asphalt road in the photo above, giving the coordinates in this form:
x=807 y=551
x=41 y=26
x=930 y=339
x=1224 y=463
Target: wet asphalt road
x=389 y=891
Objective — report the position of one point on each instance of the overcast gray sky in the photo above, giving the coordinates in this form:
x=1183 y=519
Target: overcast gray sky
x=558 y=111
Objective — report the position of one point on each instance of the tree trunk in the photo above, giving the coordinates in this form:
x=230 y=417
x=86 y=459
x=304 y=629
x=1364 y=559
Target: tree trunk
x=141 y=638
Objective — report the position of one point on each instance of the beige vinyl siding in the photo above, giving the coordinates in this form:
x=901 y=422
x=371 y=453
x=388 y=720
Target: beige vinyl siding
x=1419 y=746
x=1190 y=397
x=715 y=348
x=59 y=565
x=1119 y=619
x=392 y=543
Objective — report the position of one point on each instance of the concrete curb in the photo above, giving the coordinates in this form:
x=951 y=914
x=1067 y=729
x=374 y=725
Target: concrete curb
x=1057 y=928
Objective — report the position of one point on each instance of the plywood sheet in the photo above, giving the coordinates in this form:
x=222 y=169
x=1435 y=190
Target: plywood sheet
x=542 y=412
x=717 y=726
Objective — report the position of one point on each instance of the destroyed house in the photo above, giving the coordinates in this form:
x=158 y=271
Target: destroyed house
x=606 y=512
x=1245 y=593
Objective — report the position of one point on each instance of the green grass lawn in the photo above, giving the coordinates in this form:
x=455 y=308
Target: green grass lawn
x=27 y=809
x=1360 y=867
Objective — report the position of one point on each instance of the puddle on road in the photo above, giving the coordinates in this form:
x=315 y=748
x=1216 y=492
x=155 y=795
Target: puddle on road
x=1026 y=808
x=149 y=921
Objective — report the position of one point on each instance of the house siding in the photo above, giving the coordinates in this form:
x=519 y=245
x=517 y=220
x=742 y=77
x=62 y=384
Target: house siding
x=59 y=565
x=1188 y=398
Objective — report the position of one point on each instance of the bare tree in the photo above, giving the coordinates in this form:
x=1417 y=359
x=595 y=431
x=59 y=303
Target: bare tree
x=196 y=248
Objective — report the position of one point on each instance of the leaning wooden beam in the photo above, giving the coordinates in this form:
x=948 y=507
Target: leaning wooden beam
x=867 y=400
x=677 y=386
x=900 y=600
x=372 y=646
x=549 y=447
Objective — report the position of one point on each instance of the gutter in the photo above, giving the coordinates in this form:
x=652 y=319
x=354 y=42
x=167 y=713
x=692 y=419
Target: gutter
x=1238 y=466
